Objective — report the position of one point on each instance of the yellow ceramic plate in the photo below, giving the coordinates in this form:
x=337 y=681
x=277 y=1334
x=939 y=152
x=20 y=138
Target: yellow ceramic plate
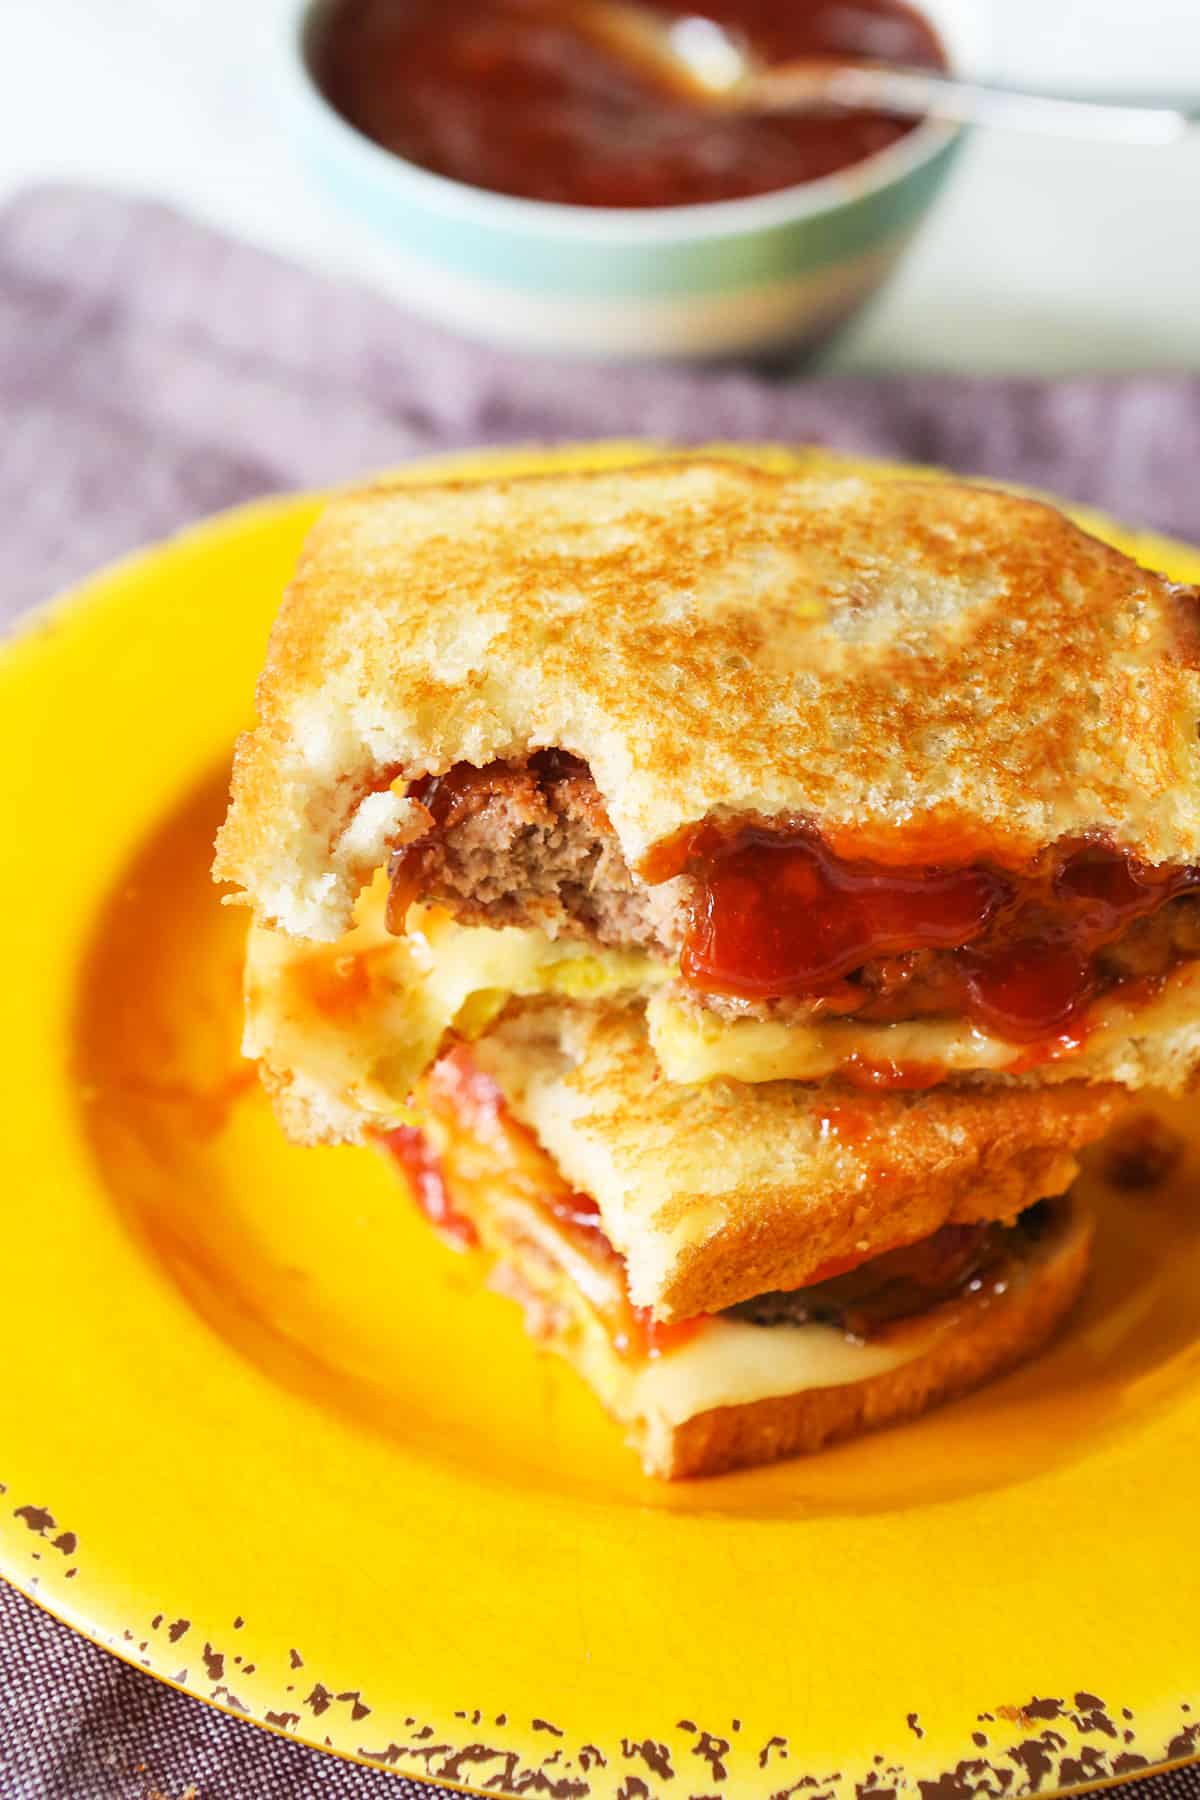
x=265 y=1436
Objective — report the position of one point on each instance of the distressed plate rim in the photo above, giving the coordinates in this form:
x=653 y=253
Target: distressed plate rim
x=48 y=1556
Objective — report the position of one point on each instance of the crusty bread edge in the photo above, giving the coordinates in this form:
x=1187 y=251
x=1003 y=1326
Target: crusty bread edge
x=992 y=1335
x=997 y=1177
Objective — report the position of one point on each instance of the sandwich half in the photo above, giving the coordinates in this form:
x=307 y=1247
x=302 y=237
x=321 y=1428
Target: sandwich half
x=783 y=1373
x=852 y=780
x=739 y=1272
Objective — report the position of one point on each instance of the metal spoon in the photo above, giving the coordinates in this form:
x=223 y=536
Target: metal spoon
x=704 y=61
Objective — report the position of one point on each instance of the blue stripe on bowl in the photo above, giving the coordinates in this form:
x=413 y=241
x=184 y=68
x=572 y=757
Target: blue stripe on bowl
x=505 y=252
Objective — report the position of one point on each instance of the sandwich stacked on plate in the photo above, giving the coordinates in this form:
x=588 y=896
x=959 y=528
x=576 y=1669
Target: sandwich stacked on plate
x=734 y=899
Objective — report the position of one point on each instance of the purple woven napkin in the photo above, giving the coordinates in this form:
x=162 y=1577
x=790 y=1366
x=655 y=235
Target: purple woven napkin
x=152 y=371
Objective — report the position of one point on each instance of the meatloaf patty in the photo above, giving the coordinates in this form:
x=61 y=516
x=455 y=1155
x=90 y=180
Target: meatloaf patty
x=531 y=844
x=903 y=1283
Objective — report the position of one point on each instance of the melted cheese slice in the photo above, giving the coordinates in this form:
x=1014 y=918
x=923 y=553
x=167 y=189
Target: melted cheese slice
x=726 y=1362
x=694 y=1046
x=730 y=1363
x=362 y=1019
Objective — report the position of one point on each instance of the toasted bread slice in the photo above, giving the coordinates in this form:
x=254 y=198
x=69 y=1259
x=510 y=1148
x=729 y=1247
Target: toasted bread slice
x=901 y=664
x=715 y=1194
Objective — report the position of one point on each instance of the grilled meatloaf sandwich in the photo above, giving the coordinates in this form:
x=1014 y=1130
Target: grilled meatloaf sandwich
x=893 y=782
x=609 y=834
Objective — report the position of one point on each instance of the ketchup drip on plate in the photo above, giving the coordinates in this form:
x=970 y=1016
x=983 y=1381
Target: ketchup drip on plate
x=778 y=915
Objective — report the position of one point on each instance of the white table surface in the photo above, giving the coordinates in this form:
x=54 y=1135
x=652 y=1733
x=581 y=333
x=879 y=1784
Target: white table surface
x=1043 y=256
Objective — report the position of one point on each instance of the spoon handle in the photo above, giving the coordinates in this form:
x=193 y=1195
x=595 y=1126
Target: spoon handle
x=1115 y=118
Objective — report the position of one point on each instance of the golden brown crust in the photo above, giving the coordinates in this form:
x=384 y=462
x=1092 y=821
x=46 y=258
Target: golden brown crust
x=988 y=1337
x=715 y=1194
x=918 y=666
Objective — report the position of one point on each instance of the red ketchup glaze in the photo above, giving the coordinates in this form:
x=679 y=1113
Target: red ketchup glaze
x=457 y=1084
x=779 y=915
x=581 y=1216
x=914 y=1077
x=849 y=1124
x=648 y=1336
x=423 y=1170
x=517 y=97
x=842 y=1265
x=933 y=1262
x=636 y=1332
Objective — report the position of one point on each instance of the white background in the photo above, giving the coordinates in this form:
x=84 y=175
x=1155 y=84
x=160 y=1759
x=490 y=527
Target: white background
x=1043 y=256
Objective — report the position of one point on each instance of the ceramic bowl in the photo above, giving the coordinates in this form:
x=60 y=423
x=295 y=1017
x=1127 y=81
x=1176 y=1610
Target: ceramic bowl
x=758 y=276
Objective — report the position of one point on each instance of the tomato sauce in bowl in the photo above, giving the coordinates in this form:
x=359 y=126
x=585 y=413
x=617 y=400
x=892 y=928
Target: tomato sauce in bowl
x=506 y=96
